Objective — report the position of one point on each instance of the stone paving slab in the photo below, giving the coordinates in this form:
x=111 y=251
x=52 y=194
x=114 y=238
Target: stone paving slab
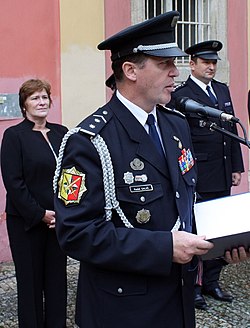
x=234 y=278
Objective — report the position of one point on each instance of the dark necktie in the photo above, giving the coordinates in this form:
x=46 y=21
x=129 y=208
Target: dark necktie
x=211 y=95
x=154 y=134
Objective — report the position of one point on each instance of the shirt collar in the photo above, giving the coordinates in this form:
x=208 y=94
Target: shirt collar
x=137 y=111
x=200 y=83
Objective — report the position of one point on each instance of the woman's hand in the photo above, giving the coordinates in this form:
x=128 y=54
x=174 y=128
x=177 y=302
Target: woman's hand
x=49 y=219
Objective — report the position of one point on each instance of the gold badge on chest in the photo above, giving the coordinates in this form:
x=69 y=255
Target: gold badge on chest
x=143 y=216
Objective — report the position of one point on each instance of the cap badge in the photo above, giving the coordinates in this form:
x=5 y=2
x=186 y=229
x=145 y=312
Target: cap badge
x=143 y=216
x=71 y=186
x=186 y=161
x=174 y=21
x=214 y=44
x=137 y=164
x=128 y=177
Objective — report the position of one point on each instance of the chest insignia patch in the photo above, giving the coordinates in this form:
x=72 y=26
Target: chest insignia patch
x=186 y=161
x=71 y=186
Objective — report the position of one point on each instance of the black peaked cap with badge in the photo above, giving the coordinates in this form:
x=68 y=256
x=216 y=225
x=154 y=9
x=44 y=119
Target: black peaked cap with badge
x=206 y=50
x=155 y=37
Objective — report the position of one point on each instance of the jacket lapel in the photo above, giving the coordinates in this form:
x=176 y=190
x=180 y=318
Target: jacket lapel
x=151 y=154
x=199 y=95
x=170 y=141
x=217 y=92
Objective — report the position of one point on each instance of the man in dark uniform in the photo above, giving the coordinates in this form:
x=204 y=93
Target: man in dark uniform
x=218 y=156
x=125 y=197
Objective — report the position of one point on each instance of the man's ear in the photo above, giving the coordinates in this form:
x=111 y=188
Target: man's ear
x=129 y=70
x=191 y=65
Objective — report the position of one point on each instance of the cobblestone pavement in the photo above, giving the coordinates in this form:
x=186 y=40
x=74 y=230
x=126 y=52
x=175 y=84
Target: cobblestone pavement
x=234 y=278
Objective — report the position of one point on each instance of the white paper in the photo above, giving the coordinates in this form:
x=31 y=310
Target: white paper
x=223 y=216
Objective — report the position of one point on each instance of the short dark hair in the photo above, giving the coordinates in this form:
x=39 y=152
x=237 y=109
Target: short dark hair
x=31 y=86
x=139 y=58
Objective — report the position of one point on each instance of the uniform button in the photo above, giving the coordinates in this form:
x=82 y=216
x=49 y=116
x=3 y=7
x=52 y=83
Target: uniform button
x=92 y=126
x=97 y=120
x=225 y=157
x=225 y=143
x=193 y=180
x=142 y=199
x=105 y=112
x=177 y=195
x=120 y=291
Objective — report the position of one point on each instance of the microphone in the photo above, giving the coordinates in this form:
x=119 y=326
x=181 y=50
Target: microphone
x=185 y=104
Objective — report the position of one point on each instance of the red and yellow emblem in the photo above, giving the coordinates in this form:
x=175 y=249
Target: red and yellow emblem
x=71 y=186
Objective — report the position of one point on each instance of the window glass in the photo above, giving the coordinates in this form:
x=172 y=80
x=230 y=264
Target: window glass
x=200 y=20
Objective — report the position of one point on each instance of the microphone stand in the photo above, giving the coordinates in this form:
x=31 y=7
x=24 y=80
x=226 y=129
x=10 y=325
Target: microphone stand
x=214 y=127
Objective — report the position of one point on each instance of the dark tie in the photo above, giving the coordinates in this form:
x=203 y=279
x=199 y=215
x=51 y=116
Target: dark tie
x=211 y=95
x=154 y=134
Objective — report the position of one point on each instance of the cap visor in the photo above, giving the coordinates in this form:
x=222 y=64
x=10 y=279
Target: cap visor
x=207 y=56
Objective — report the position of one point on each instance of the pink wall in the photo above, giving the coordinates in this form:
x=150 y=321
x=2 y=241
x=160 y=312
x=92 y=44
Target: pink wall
x=238 y=59
x=117 y=16
x=30 y=47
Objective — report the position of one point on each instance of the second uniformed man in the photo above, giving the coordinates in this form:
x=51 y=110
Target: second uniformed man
x=218 y=156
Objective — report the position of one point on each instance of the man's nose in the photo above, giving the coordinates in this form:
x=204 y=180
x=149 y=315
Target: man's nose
x=212 y=66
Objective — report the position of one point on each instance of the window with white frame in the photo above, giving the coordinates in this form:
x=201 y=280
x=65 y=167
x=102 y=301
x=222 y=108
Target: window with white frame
x=194 y=23
x=200 y=20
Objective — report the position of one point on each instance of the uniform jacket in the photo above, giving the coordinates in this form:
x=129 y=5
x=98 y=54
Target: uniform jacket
x=28 y=172
x=217 y=155
x=127 y=278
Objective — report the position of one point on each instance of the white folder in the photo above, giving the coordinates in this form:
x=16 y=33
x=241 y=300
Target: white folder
x=225 y=222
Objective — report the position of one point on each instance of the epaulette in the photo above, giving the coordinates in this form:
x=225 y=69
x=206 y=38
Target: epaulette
x=170 y=110
x=219 y=82
x=91 y=126
x=94 y=123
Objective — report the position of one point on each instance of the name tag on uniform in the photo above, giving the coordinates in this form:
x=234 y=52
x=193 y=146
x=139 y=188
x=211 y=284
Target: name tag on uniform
x=141 y=188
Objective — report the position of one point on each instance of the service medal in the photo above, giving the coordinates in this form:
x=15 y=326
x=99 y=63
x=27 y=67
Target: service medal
x=71 y=186
x=178 y=141
x=186 y=161
x=143 y=216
